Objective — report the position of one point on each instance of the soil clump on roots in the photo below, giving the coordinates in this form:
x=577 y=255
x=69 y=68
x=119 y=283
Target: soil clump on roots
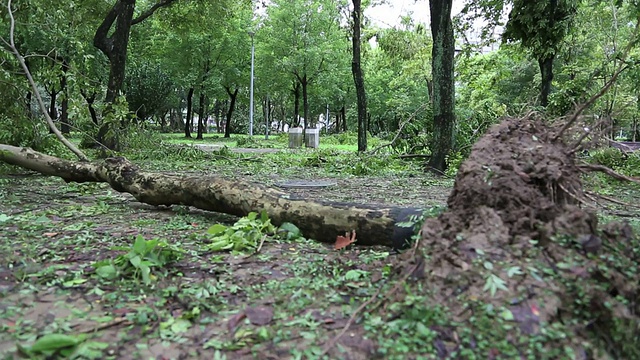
x=521 y=267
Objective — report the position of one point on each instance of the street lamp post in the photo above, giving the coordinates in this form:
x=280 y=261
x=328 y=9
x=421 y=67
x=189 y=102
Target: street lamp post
x=251 y=33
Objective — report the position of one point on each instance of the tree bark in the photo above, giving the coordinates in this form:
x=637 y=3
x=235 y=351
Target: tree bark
x=546 y=72
x=296 y=104
x=187 y=121
x=216 y=114
x=65 y=127
x=343 y=112
x=201 y=115
x=90 y=99
x=358 y=77
x=319 y=220
x=443 y=82
x=305 y=104
x=232 y=104
x=53 y=112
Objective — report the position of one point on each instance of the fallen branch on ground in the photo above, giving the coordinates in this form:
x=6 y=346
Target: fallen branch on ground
x=319 y=220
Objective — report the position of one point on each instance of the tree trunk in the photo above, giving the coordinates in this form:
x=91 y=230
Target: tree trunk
x=90 y=99
x=546 y=72
x=53 y=112
x=343 y=115
x=443 y=82
x=267 y=118
x=232 y=104
x=305 y=100
x=114 y=47
x=296 y=104
x=187 y=121
x=216 y=115
x=202 y=105
x=163 y=120
x=356 y=70
x=65 y=127
x=319 y=220
x=113 y=44
x=201 y=115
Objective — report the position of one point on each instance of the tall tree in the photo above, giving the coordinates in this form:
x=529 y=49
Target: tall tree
x=358 y=78
x=113 y=45
x=541 y=26
x=301 y=39
x=442 y=54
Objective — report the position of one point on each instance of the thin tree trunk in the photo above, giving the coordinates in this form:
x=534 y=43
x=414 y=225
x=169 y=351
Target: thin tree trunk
x=201 y=115
x=187 y=121
x=343 y=112
x=356 y=70
x=53 y=112
x=90 y=99
x=546 y=72
x=296 y=104
x=232 y=104
x=216 y=115
x=442 y=55
x=65 y=127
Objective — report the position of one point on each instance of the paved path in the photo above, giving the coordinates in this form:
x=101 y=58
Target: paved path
x=215 y=147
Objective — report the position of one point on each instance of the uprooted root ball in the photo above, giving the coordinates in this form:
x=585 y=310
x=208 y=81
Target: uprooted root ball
x=522 y=269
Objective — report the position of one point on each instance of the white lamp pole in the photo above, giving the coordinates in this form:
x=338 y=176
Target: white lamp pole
x=251 y=33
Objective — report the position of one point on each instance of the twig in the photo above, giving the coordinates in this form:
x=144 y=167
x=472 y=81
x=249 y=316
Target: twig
x=393 y=141
x=261 y=243
x=105 y=326
x=576 y=146
x=623 y=66
x=12 y=45
x=590 y=102
x=615 y=201
x=413 y=156
x=608 y=171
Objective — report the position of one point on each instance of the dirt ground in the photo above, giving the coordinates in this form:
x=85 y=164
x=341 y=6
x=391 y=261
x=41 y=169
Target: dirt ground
x=285 y=302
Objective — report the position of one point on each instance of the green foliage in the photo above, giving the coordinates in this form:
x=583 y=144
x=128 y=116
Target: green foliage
x=491 y=86
x=397 y=79
x=415 y=222
x=245 y=234
x=625 y=163
x=454 y=160
x=143 y=257
x=356 y=164
x=248 y=142
x=146 y=144
x=343 y=138
x=149 y=90
x=65 y=346
x=32 y=133
x=609 y=157
x=540 y=25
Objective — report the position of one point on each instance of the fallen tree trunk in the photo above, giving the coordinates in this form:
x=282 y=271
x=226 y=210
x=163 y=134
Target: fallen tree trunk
x=318 y=220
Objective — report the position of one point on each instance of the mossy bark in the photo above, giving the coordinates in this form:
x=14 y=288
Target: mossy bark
x=443 y=82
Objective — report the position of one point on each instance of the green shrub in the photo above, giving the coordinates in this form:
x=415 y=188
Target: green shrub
x=609 y=157
x=248 y=142
x=454 y=160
